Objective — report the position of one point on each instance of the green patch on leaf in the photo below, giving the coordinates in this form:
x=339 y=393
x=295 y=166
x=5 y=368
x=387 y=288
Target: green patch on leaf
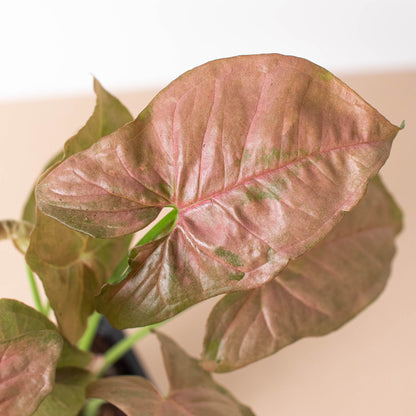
x=236 y=276
x=325 y=75
x=229 y=257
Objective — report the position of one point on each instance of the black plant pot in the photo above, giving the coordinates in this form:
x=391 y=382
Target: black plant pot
x=129 y=364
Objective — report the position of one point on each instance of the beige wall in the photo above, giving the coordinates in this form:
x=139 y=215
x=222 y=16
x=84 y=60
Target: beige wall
x=368 y=367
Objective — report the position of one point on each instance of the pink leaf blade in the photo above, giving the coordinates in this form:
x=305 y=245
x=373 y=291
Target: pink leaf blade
x=19 y=319
x=193 y=392
x=27 y=371
x=315 y=294
x=269 y=151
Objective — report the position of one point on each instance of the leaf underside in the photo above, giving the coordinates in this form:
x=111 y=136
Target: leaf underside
x=73 y=266
x=193 y=392
x=314 y=294
x=262 y=155
x=18 y=232
x=68 y=395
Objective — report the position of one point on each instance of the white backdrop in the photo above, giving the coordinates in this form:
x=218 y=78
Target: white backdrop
x=50 y=47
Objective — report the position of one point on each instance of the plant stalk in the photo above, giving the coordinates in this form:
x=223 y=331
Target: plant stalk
x=119 y=349
x=87 y=339
x=92 y=406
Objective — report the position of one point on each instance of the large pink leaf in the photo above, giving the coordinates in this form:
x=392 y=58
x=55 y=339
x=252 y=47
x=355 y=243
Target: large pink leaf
x=193 y=391
x=262 y=155
x=71 y=265
x=27 y=371
x=314 y=294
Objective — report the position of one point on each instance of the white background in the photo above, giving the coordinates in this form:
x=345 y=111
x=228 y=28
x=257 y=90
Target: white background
x=50 y=47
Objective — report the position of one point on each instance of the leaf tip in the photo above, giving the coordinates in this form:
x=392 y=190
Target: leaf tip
x=402 y=125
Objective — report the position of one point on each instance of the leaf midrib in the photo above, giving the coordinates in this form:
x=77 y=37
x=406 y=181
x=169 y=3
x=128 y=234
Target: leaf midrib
x=269 y=171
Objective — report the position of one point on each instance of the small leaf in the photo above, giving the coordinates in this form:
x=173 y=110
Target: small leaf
x=18 y=232
x=315 y=294
x=27 y=371
x=19 y=319
x=68 y=395
x=71 y=265
x=262 y=155
x=193 y=392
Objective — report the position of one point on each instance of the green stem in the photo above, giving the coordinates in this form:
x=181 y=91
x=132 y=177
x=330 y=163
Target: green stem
x=47 y=308
x=165 y=225
x=34 y=289
x=168 y=220
x=87 y=339
x=119 y=349
x=92 y=406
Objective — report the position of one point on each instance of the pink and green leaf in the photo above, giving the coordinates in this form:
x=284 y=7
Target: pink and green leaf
x=193 y=391
x=18 y=319
x=315 y=294
x=27 y=370
x=71 y=265
x=262 y=155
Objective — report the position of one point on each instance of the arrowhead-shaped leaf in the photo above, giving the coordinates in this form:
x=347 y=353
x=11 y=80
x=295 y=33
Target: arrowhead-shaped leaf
x=18 y=319
x=68 y=395
x=262 y=155
x=71 y=265
x=27 y=371
x=193 y=391
x=314 y=294
x=18 y=232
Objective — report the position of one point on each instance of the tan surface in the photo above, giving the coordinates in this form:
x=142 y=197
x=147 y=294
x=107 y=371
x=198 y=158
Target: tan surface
x=366 y=368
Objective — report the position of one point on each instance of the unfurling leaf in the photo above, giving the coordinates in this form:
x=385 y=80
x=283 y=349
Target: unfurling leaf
x=71 y=265
x=27 y=371
x=18 y=232
x=262 y=155
x=314 y=294
x=193 y=391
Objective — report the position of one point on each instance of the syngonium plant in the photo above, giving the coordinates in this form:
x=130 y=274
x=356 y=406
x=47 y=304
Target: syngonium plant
x=268 y=167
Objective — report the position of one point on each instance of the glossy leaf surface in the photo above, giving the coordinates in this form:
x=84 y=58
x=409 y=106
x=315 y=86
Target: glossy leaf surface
x=68 y=395
x=27 y=371
x=18 y=232
x=314 y=294
x=193 y=392
x=71 y=265
x=262 y=155
x=18 y=319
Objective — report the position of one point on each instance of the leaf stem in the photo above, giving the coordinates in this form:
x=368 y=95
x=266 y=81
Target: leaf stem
x=119 y=349
x=164 y=225
x=92 y=406
x=154 y=232
x=87 y=339
x=34 y=289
